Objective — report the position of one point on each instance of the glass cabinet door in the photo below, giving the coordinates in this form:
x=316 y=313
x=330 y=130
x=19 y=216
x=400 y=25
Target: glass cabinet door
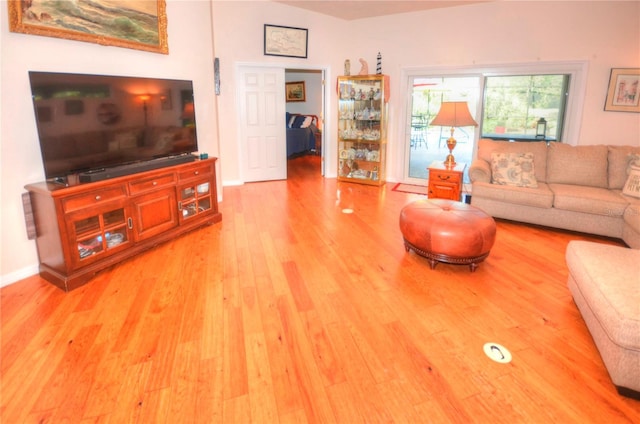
x=195 y=199
x=100 y=233
x=361 y=129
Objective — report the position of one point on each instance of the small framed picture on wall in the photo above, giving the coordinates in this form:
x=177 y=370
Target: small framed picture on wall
x=624 y=93
x=295 y=91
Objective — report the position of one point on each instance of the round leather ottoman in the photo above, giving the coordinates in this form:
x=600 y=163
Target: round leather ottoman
x=447 y=231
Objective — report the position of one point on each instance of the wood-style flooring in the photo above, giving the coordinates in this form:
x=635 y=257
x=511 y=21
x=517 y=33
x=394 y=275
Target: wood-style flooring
x=291 y=311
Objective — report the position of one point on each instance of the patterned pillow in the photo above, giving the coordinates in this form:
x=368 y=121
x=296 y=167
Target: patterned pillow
x=632 y=186
x=514 y=169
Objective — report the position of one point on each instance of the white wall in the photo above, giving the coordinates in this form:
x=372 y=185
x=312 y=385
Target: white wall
x=190 y=57
x=605 y=34
x=239 y=40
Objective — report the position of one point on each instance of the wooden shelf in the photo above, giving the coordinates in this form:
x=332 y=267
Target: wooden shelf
x=362 y=129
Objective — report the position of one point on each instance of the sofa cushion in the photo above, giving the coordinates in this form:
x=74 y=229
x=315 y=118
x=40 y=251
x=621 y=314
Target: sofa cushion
x=539 y=149
x=577 y=165
x=619 y=159
x=540 y=197
x=513 y=169
x=593 y=200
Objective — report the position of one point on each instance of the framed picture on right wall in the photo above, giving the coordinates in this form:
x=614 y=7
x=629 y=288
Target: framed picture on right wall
x=624 y=91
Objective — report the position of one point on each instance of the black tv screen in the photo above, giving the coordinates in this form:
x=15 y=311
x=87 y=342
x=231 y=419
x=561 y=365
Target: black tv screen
x=89 y=122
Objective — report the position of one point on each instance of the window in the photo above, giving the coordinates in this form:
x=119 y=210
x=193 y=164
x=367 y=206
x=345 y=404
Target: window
x=519 y=94
x=513 y=104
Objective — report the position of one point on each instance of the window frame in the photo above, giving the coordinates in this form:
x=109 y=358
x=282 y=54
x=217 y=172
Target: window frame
x=576 y=89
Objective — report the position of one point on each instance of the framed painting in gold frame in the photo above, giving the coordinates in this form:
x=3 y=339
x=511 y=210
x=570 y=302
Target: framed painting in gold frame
x=296 y=91
x=135 y=24
x=623 y=94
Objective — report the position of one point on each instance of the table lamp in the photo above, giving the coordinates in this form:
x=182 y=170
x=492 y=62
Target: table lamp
x=453 y=114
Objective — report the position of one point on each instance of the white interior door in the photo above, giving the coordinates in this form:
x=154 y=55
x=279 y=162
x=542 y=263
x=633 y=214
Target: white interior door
x=262 y=127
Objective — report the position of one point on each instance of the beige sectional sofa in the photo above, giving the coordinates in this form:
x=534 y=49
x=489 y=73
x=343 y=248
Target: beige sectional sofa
x=577 y=188
x=604 y=281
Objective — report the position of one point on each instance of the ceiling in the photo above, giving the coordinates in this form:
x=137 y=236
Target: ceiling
x=352 y=10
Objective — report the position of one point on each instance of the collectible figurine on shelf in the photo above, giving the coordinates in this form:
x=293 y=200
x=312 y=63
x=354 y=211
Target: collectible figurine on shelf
x=364 y=70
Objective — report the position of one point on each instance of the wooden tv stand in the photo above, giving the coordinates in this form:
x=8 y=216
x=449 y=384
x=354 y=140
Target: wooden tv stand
x=82 y=229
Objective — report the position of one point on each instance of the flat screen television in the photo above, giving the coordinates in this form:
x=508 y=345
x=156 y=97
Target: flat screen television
x=89 y=123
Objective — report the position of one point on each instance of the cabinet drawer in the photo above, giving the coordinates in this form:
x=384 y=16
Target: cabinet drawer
x=96 y=197
x=193 y=171
x=445 y=177
x=148 y=184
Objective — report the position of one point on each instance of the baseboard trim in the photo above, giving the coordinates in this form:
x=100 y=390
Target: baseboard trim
x=18 y=275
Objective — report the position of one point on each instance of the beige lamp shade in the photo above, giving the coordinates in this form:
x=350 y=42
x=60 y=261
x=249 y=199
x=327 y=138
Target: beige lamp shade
x=454 y=114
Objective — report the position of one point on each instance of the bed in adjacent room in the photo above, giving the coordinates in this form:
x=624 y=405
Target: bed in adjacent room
x=301 y=131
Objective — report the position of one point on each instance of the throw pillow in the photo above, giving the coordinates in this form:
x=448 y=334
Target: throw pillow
x=306 y=122
x=632 y=186
x=514 y=169
x=298 y=121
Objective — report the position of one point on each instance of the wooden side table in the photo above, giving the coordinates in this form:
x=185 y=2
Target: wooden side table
x=445 y=182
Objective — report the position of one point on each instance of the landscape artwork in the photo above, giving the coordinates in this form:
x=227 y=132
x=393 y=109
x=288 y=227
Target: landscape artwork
x=134 y=24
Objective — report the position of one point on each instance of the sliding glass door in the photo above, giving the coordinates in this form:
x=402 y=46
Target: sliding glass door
x=427 y=143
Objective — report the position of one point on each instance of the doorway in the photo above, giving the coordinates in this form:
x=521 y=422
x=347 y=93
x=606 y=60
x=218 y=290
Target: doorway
x=261 y=120
x=312 y=105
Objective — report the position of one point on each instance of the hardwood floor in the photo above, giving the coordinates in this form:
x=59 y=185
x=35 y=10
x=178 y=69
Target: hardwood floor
x=292 y=311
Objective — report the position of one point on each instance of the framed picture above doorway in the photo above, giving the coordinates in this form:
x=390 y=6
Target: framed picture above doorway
x=285 y=41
